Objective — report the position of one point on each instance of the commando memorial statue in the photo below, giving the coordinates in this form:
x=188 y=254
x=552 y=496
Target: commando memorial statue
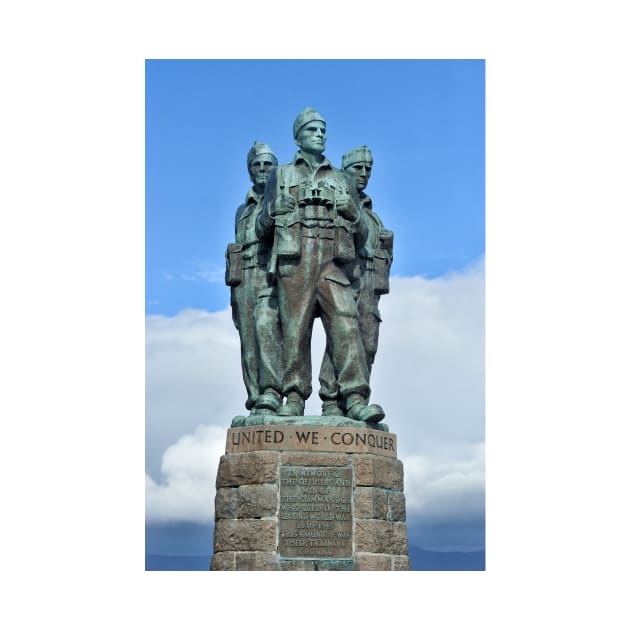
x=309 y=492
x=308 y=244
x=253 y=297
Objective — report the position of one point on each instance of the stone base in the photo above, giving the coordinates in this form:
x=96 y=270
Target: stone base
x=261 y=561
x=279 y=507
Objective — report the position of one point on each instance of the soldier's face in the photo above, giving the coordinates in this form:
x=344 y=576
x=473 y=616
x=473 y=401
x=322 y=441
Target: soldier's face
x=360 y=173
x=259 y=169
x=312 y=137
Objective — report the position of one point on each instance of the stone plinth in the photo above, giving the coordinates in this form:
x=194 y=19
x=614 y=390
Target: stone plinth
x=310 y=497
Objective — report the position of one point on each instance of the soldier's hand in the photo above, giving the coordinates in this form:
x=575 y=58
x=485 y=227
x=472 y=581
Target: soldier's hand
x=346 y=207
x=284 y=203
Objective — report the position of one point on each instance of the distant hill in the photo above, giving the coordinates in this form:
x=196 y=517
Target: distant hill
x=176 y=563
x=421 y=560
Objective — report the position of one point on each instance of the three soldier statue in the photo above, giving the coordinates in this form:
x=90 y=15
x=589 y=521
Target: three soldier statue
x=308 y=244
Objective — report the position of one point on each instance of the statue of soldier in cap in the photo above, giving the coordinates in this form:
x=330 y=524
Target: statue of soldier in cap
x=253 y=299
x=312 y=210
x=374 y=260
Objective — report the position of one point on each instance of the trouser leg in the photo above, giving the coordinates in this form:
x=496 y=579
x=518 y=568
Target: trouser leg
x=369 y=323
x=339 y=316
x=328 y=390
x=269 y=342
x=243 y=301
x=296 y=302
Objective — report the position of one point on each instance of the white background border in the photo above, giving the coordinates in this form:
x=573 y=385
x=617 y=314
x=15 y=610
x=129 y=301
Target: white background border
x=73 y=312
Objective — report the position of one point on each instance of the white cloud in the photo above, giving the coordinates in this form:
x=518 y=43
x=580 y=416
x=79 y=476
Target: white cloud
x=429 y=372
x=189 y=469
x=192 y=377
x=428 y=375
x=446 y=489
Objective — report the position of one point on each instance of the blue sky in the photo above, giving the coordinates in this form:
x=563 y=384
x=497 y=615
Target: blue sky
x=423 y=120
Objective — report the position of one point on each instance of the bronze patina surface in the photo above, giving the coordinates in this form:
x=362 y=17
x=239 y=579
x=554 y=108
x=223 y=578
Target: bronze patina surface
x=308 y=245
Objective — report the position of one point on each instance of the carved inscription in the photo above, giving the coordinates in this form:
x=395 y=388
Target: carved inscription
x=312 y=439
x=315 y=515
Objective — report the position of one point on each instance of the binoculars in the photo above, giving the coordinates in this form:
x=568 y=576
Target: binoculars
x=316 y=194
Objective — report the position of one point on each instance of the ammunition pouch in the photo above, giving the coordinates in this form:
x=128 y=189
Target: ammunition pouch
x=343 y=247
x=242 y=256
x=386 y=239
x=381 y=264
x=234 y=264
x=288 y=236
x=383 y=258
x=255 y=255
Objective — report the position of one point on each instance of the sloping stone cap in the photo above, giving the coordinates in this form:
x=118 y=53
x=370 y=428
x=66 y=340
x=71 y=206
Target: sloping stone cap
x=320 y=421
x=313 y=438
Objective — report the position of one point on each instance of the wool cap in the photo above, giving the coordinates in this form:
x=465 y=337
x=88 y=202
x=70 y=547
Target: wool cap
x=306 y=116
x=259 y=148
x=358 y=154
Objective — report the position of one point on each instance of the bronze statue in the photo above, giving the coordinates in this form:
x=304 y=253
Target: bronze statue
x=312 y=212
x=253 y=298
x=370 y=273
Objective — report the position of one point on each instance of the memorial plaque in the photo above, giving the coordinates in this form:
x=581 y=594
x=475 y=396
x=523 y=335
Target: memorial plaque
x=315 y=517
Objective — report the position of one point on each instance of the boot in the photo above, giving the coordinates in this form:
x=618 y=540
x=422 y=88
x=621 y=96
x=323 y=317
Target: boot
x=268 y=402
x=331 y=408
x=358 y=409
x=294 y=405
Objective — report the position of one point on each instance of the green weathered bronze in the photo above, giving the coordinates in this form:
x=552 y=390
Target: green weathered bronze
x=370 y=276
x=310 y=246
x=312 y=211
x=253 y=298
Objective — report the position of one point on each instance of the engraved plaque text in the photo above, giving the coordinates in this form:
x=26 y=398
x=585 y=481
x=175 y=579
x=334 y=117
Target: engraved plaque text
x=315 y=518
